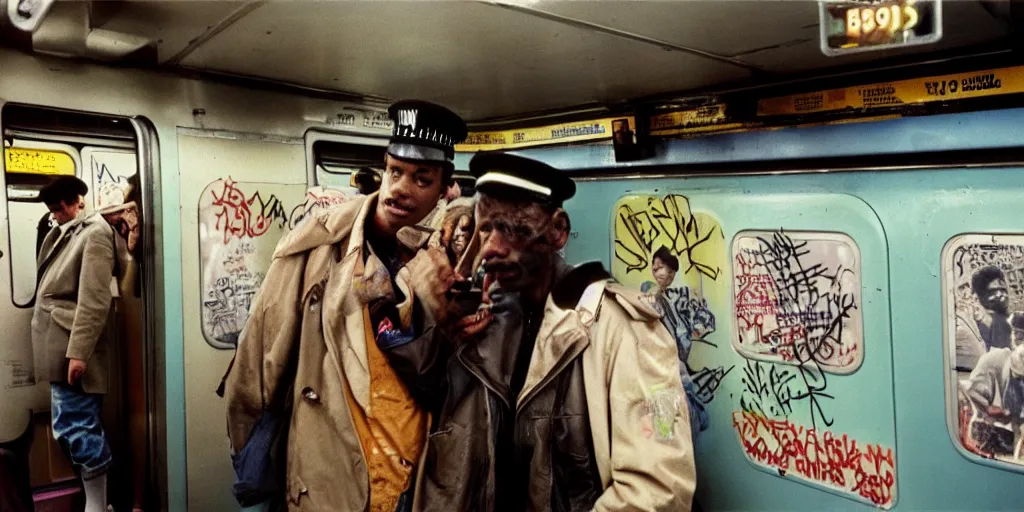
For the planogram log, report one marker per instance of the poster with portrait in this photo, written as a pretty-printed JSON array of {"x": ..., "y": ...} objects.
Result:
[
  {"x": 675, "y": 258},
  {"x": 983, "y": 283}
]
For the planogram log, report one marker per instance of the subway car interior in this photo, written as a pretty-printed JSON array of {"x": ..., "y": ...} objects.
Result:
[{"x": 833, "y": 181}]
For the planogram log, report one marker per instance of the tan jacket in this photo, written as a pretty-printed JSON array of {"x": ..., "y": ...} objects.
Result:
[
  {"x": 628, "y": 358},
  {"x": 73, "y": 298},
  {"x": 638, "y": 414},
  {"x": 312, "y": 272},
  {"x": 601, "y": 357}
]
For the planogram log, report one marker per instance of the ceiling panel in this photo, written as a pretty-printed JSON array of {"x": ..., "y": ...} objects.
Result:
[
  {"x": 482, "y": 60},
  {"x": 776, "y": 35},
  {"x": 171, "y": 24},
  {"x": 721, "y": 27}
]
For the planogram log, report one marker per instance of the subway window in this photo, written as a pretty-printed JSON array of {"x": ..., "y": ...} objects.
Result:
[
  {"x": 983, "y": 295},
  {"x": 338, "y": 161},
  {"x": 28, "y": 167},
  {"x": 796, "y": 299},
  {"x": 341, "y": 162}
]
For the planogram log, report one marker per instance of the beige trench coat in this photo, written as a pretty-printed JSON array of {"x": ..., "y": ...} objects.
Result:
[
  {"x": 73, "y": 299},
  {"x": 312, "y": 273},
  {"x": 639, "y": 419}
]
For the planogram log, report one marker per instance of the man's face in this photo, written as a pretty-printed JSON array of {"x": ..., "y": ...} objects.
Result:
[
  {"x": 517, "y": 241},
  {"x": 462, "y": 235},
  {"x": 663, "y": 274},
  {"x": 995, "y": 297},
  {"x": 408, "y": 192},
  {"x": 64, "y": 212}
]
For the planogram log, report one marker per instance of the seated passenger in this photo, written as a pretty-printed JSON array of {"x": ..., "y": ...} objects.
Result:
[
  {"x": 566, "y": 395},
  {"x": 315, "y": 414}
]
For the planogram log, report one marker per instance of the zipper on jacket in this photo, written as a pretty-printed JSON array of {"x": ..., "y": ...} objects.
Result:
[{"x": 488, "y": 385}]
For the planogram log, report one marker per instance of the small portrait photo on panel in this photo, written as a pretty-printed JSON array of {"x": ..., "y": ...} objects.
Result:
[{"x": 984, "y": 287}]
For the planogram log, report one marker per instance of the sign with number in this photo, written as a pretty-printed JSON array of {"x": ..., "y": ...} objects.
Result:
[{"x": 864, "y": 25}]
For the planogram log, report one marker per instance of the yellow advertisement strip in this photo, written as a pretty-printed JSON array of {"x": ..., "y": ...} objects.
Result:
[
  {"x": 672, "y": 121},
  {"x": 38, "y": 161},
  {"x": 702, "y": 130},
  {"x": 565, "y": 133},
  {"x": 959, "y": 86}
]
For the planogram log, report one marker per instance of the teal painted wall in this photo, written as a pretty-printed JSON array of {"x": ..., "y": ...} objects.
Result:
[{"x": 901, "y": 226}]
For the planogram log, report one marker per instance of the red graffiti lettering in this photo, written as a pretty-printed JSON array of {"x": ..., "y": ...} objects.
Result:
[
  {"x": 243, "y": 217},
  {"x": 819, "y": 456}
]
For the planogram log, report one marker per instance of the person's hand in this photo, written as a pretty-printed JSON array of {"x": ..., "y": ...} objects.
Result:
[
  {"x": 76, "y": 368},
  {"x": 431, "y": 277}
]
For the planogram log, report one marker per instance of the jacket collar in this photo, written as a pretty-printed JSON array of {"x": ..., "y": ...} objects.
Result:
[
  {"x": 569, "y": 311},
  {"x": 61, "y": 235},
  {"x": 329, "y": 227}
]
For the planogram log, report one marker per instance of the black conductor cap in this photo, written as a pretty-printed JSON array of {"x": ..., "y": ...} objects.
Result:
[
  {"x": 509, "y": 175},
  {"x": 424, "y": 131}
]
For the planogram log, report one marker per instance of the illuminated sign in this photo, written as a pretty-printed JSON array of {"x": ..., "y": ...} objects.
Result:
[
  {"x": 858, "y": 26},
  {"x": 38, "y": 161}
]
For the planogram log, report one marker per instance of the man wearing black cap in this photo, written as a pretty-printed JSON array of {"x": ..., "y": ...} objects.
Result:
[
  {"x": 565, "y": 394},
  {"x": 73, "y": 297},
  {"x": 310, "y": 372}
]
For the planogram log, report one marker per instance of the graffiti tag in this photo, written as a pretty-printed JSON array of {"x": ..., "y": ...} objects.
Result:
[
  {"x": 867, "y": 471},
  {"x": 670, "y": 218}
]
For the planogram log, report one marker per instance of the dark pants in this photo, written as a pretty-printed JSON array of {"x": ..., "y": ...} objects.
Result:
[{"x": 15, "y": 487}]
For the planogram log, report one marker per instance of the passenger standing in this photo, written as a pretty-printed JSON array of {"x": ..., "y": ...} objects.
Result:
[
  {"x": 567, "y": 395},
  {"x": 73, "y": 304},
  {"x": 315, "y": 414}
]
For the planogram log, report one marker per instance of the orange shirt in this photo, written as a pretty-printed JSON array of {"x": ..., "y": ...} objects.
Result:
[{"x": 392, "y": 433}]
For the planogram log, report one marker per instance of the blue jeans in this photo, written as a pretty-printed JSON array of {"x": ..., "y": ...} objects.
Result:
[{"x": 77, "y": 426}]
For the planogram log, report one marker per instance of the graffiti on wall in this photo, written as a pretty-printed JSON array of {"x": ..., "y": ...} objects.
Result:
[
  {"x": 111, "y": 170},
  {"x": 776, "y": 391},
  {"x": 675, "y": 258},
  {"x": 239, "y": 226},
  {"x": 667, "y": 222},
  {"x": 860, "y": 470},
  {"x": 984, "y": 288},
  {"x": 797, "y": 297}
]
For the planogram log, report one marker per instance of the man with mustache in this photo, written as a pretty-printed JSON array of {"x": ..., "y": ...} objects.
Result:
[
  {"x": 317, "y": 418},
  {"x": 565, "y": 394}
]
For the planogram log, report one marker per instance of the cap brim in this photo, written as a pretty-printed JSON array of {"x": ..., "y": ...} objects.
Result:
[{"x": 407, "y": 151}]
